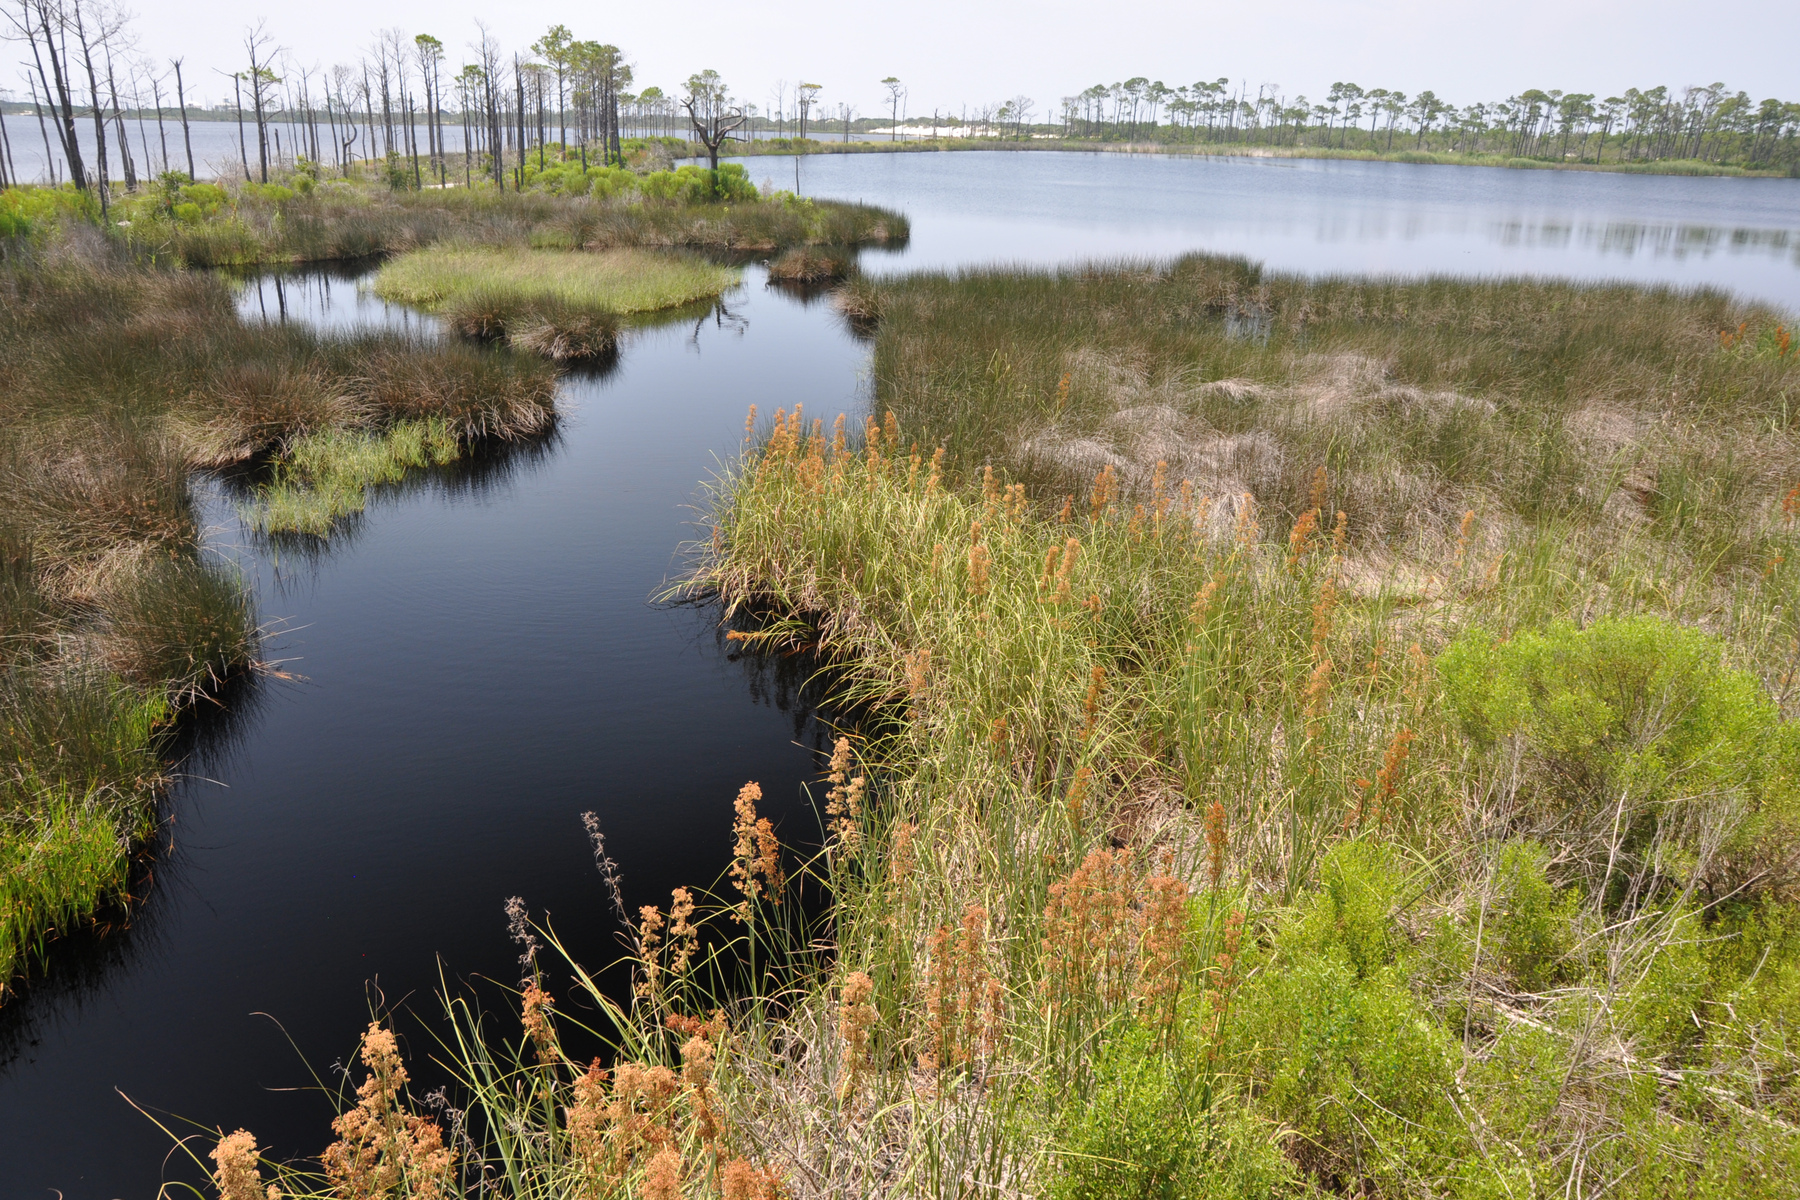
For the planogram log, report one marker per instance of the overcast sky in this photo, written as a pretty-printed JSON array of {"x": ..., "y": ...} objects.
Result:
[{"x": 968, "y": 52}]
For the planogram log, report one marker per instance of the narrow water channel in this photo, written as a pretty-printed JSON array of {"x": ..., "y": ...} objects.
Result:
[{"x": 475, "y": 662}]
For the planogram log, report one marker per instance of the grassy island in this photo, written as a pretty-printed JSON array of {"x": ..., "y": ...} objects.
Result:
[
  {"x": 617, "y": 281},
  {"x": 562, "y": 303}
]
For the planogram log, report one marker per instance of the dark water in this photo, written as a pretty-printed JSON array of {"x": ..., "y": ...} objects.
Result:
[{"x": 477, "y": 661}]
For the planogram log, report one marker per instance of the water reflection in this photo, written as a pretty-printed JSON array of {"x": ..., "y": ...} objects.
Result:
[{"x": 326, "y": 296}]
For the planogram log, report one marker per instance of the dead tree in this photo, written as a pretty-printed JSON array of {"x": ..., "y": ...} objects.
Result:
[{"x": 712, "y": 113}]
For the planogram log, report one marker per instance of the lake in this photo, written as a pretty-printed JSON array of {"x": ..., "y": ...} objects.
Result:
[{"x": 477, "y": 660}]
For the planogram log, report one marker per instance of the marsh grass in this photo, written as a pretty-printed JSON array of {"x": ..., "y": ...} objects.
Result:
[
  {"x": 320, "y": 478},
  {"x": 1527, "y": 400},
  {"x": 342, "y": 220},
  {"x": 117, "y": 382},
  {"x": 611, "y": 281},
  {"x": 812, "y": 265}
]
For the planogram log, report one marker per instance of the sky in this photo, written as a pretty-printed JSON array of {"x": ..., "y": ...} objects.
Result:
[{"x": 956, "y": 53}]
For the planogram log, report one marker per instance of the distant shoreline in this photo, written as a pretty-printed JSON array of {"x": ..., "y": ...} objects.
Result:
[{"x": 785, "y": 146}]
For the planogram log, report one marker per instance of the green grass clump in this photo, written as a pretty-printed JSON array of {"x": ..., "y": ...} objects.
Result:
[
  {"x": 79, "y": 750},
  {"x": 612, "y": 281},
  {"x": 323, "y": 477}
]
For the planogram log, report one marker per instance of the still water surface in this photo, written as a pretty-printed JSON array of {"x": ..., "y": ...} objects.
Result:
[{"x": 476, "y": 661}]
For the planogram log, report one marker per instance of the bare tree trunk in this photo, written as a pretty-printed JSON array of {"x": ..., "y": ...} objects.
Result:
[
  {"x": 162, "y": 134},
  {"x": 143, "y": 128},
  {"x": 9, "y": 174},
  {"x": 237, "y": 94},
  {"x": 413, "y": 136},
  {"x": 62, "y": 70},
  {"x": 181, "y": 98},
  {"x": 519, "y": 84},
  {"x": 256, "y": 98},
  {"x": 112, "y": 91},
  {"x": 99, "y": 113},
  {"x": 43, "y": 128}
]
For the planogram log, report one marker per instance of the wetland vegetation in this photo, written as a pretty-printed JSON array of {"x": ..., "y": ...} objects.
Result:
[
  {"x": 119, "y": 382},
  {"x": 125, "y": 371},
  {"x": 1322, "y": 737},
  {"x": 1314, "y": 737}
]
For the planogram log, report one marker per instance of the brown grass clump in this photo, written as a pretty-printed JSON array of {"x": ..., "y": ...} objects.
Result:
[
  {"x": 756, "y": 869},
  {"x": 742, "y": 1180},
  {"x": 856, "y": 1017},
  {"x": 662, "y": 1181},
  {"x": 812, "y": 265},
  {"x": 382, "y": 1145},
  {"x": 964, "y": 1000},
  {"x": 1090, "y": 940}
]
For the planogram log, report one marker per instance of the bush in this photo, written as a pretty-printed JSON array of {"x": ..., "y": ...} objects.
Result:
[
  {"x": 27, "y": 211},
  {"x": 569, "y": 179},
  {"x": 1141, "y": 1134},
  {"x": 1339, "y": 1048},
  {"x": 1532, "y": 923},
  {"x": 273, "y": 193},
  {"x": 1634, "y": 729},
  {"x": 210, "y": 197},
  {"x": 697, "y": 185}
]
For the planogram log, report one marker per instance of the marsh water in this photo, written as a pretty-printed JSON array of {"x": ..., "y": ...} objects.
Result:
[{"x": 478, "y": 660}]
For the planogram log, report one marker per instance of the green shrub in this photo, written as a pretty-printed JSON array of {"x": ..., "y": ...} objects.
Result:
[
  {"x": 569, "y": 179},
  {"x": 1633, "y": 731},
  {"x": 209, "y": 196},
  {"x": 1338, "y": 1047},
  {"x": 273, "y": 193},
  {"x": 1141, "y": 1134},
  {"x": 1352, "y": 914},
  {"x": 1530, "y": 925},
  {"x": 696, "y": 185},
  {"x": 27, "y": 211}
]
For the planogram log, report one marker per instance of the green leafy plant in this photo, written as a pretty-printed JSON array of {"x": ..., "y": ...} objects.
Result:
[{"x": 1639, "y": 748}]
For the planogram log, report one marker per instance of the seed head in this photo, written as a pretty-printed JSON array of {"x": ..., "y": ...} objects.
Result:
[{"x": 238, "y": 1177}]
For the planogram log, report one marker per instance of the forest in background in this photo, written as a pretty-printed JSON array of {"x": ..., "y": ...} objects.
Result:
[{"x": 404, "y": 97}]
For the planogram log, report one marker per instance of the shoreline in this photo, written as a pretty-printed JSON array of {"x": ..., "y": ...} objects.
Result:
[{"x": 761, "y": 149}]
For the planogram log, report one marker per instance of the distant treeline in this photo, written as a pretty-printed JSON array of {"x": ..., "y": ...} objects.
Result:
[
  {"x": 1704, "y": 124},
  {"x": 399, "y": 98}
]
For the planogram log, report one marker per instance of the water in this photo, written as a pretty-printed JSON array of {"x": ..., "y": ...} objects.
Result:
[
  {"x": 475, "y": 661},
  {"x": 217, "y": 150},
  {"x": 1322, "y": 217}
]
